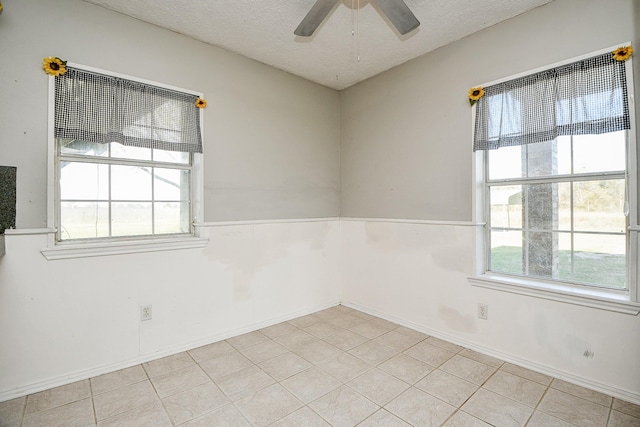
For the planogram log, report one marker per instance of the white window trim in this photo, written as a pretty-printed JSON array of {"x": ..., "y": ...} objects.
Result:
[
  {"x": 55, "y": 251},
  {"x": 627, "y": 302}
]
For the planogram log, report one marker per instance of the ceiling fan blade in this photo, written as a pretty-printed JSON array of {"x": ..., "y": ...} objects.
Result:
[
  {"x": 399, "y": 14},
  {"x": 314, "y": 18}
]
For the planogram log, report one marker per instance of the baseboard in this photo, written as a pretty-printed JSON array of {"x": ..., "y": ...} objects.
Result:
[
  {"x": 105, "y": 369},
  {"x": 625, "y": 395}
]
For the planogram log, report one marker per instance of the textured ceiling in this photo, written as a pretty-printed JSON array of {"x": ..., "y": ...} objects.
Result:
[{"x": 354, "y": 42}]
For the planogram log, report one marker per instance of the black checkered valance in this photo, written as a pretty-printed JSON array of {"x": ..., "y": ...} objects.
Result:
[
  {"x": 584, "y": 97},
  {"x": 103, "y": 109}
]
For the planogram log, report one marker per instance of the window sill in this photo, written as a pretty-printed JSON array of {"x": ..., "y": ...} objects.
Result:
[
  {"x": 84, "y": 250},
  {"x": 594, "y": 298}
]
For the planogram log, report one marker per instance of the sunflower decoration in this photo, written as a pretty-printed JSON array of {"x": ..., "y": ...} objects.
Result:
[
  {"x": 54, "y": 66},
  {"x": 0, "y": 8},
  {"x": 475, "y": 93},
  {"x": 622, "y": 53},
  {"x": 201, "y": 103}
]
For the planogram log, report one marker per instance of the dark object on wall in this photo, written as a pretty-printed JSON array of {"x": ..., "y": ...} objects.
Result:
[{"x": 8, "y": 176}]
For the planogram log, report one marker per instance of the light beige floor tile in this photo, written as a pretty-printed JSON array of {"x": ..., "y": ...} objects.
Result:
[
  {"x": 406, "y": 368},
  {"x": 345, "y": 367},
  {"x": 626, "y": 407},
  {"x": 345, "y": 321},
  {"x": 419, "y": 408},
  {"x": 304, "y": 321},
  {"x": 364, "y": 316},
  {"x": 573, "y": 409},
  {"x": 322, "y": 329},
  {"x": 303, "y": 417},
  {"x": 76, "y": 414},
  {"x": 453, "y": 390},
  {"x": 284, "y": 366},
  {"x": 369, "y": 330},
  {"x": 444, "y": 344},
  {"x": 618, "y": 419},
  {"x": 397, "y": 341},
  {"x": 462, "y": 419},
  {"x": 311, "y": 384},
  {"x": 244, "y": 382},
  {"x": 526, "y": 373},
  {"x": 152, "y": 414},
  {"x": 585, "y": 393},
  {"x": 263, "y": 351},
  {"x": 383, "y": 418},
  {"x": 117, "y": 379},
  {"x": 296, "y": 340},
  {"x": 318, "y": 351},
  {"x": 346, "y": 340},
  {"x": 226, "y": 416},
  {"x": 343, "y": 407},
  {"x": 540, "y": 419},
  {"x": 225, "y": 365},
  {"x": 268, "y": 405},
  {"x": 497, "y": 410},
  {"x": 411, "y": 332},
  {"x": 167, "y": 364},
  {"x": 180, "y": 380},
  {"x": 373, "y": 352},
  {"x": 430, "y": 354},
  {"x": 124, "y": 399},
  {"x": 482, "y": 358},
  {"x": 516, "y": 388},
  {"x": 247, "y": 340},
  {"x": 211, "y": 351},
  {"x": 11, "y": 412},
  {"x": 193, "y": 403},
  {"x": 378, "y": 386},
  {"x": 57, "y": 396},
  {"x": 385, "y": 323},
  {"x": 279, "y": 329},
  {"x": 468, "y": 369}
]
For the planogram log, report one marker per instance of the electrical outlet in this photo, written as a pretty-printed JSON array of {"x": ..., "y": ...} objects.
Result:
[
  {"x": 483, "y": 311},
  {"x": 145, "y": 313}
]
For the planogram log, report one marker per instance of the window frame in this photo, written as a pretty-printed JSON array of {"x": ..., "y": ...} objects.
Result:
[
  {"x": 126, "y": 244},
  {"x": 626, "y": 301}
]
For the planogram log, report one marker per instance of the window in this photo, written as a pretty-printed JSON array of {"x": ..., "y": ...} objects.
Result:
[
  {"x": 126, "y": 157},
  {"x": 556, "y": 154}
]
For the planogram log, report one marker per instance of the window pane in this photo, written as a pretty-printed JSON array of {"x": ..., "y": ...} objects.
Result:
[
  {"x": 170, "y": 156},
  {"x": 131, "y": 219},
  {"x": 506, "y": 252},
  {"x": 127, "y": 152},
  {"x": 541, "y": 204},
  {"x": 600, "y": 259},
  {"x": 599, "y": 153},
  {"x": 84, "y": 181},
  {"x": 599, "y": 205},
  {"x": 541, "y": 254},
  {"x": 171, "y": 184},
  {"x": 172, "y": 217},
  {"x": 549, "y": 158},
  {"x": 506, "y": 206},
  {"x": 564, "y": 206},
  {"x": 505, "y": 162},
  {"x": 130, "y": 183},
  {"x": 72, "y": 146},
  {"x": 84, "y": 220}
]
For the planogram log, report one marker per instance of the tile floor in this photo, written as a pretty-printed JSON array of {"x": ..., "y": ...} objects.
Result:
[{"x": 336, "y": 367}]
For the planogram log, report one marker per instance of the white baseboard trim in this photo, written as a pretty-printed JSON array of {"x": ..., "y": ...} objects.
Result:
[
  {"x": 516, "y": 360},
  {"x": 105, "y": 369}
]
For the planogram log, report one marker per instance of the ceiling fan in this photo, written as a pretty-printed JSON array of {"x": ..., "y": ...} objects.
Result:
[{"x": 396, "y": 10}]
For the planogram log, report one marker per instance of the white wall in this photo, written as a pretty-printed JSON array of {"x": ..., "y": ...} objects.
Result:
[
  {"x": 271, "y": 151},
  {"x": 406, "y": 154},
  {"x": 69, "y": 319}
]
